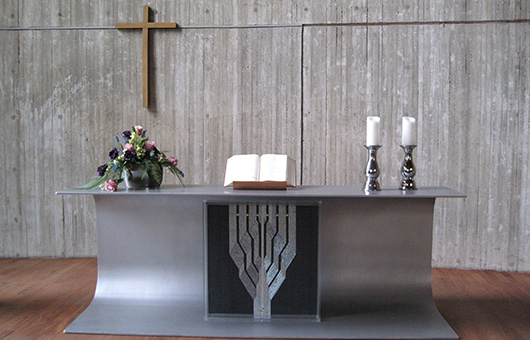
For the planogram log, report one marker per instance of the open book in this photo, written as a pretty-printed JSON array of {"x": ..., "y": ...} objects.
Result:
[{"x": 269, "y": 172}]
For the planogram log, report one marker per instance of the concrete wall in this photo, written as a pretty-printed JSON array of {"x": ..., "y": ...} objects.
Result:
[{"x": 460, "y": 67}]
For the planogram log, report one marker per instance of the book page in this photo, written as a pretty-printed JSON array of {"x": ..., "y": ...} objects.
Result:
[
  {"x": 273, "y": 168},
  {"x": 241, "y": 168}
]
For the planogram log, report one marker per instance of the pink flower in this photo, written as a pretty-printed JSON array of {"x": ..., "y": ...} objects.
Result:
[
  {"x": 111, "y": 186},
  {"x": 139, "y": 129},
  {"x": 173, "y": 160},
  {"x": 149, "y": 145},
  {"x": 128, "y": 147}
]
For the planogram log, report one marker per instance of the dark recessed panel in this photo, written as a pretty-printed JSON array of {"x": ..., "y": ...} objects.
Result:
[{"x": 297, "y": 295}]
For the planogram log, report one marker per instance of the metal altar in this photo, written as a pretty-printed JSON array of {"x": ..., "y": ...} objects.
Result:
[{"x": 371, "y": 265}]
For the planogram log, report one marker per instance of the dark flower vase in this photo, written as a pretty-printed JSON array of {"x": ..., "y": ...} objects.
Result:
[{"x": 134, "y": 181}]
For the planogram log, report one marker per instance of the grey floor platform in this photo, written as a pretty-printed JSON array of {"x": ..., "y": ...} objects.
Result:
[
  {"x": 162, "y": 319},
  {"x": 374, "y": 264}
]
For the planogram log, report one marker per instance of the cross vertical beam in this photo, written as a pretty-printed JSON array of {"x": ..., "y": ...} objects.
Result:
[
  {"x": 145, "y": 58},
  {"x": 145, "y": 25}
]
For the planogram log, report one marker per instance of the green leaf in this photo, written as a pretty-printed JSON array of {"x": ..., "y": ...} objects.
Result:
[
  {"x": 95, "y": 182},
  {"x": 155, "y": 171},
  {"x": 175, "y": 171},
  {"x": 144, "y": 172}
]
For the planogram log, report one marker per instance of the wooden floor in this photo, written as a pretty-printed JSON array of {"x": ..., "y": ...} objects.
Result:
[{"x": 40, "y": 298}]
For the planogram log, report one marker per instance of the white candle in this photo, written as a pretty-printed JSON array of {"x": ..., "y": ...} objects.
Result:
[
  {"x": 373, "y": 130},
  {"x": 409, "y": 136}
]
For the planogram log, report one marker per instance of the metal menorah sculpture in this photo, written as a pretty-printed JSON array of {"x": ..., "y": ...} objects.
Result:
[{"x": 262, "y": 245}]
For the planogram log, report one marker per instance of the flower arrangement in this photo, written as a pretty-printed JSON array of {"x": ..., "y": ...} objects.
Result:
[{"x": 137, "y": 153}]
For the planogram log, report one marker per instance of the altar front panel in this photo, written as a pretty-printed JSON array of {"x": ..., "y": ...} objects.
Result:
[{"x": 375, "y": 253}]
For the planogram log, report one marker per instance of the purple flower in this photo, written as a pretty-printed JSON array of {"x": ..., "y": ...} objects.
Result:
[
  {"x": 126, "y": 135},
  {"x": 114, "y": 153},
  {"x": 128, "y": 155},
  {"x": 102, "y": 169}
]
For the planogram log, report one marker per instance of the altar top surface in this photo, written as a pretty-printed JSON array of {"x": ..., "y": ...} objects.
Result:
[{"x": 304, "y": 191}]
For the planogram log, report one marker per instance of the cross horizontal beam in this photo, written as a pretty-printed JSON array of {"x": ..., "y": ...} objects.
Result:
[{"x": 125, "y": 25}]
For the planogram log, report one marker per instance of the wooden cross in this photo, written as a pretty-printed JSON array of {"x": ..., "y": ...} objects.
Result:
[{"x": 145, "y": 25}]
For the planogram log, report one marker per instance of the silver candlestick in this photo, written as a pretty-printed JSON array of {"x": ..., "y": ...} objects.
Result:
[
  {"x": 372, "y": 169},
  {"x": 408, "y": 171}
]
